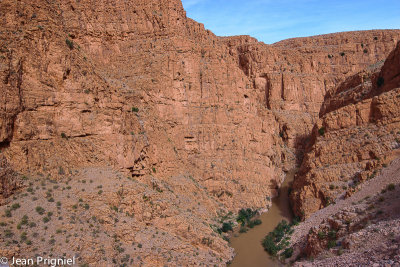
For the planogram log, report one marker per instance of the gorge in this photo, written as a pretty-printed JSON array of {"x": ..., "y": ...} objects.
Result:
[{"x": 143, "y": 132}]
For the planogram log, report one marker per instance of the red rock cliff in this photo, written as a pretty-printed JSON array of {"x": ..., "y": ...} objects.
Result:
[
  {"x": 138, "y": 86},
  {"x": 357, "y": 134},
  {"x": 231, "y": 110}
]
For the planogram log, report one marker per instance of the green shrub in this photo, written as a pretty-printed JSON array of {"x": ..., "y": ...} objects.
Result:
[
  {"x": 321, "y": 131},
  {"x": 332, "y": 234},
  {"x": 226, "y": 227},
  {"x": 287, "y": 253},
  {"x": 61, "y": 170},
  {"x": 342, "y": 54},
  {"x": 24, "y": 220},
  {"x": 321, "y": 235},
  {"x": 24, "y": 236},
  {"x": 257, "y": 222},
  {"x": 15, "y": 206},
  {"x": 8, "y": 233},
  {"x": 40, "y": 210},
  {"x": 251, "y": 224},
  {"x": 69, "y": 43},
  {"x": 135, "y": 109},
  {"x": 296, "y": 220},
  {"x": 390, "y": 187},
  {"x": 269, "y": 245},
  {"x": 7, "y": 213},
  {"x": 275, "y": 240},
  {"x": 245, "y": 215},
  {"x": 331, "y": 244}
]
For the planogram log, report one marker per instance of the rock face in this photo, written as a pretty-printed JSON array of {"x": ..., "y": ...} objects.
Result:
[
  {"x": 9, "y": 180},
  {"x": 140, "y": 87},
  {"x": 357, "y": 133},
  {"x": 362, "y": 230}
]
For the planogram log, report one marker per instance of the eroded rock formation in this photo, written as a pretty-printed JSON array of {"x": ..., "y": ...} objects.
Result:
[
  {"x": 357, "y": 134},
  {"x": 140, "y": 87}
]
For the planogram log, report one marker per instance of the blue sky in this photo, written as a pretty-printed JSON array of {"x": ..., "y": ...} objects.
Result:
[{"x": 274, "y": 20}]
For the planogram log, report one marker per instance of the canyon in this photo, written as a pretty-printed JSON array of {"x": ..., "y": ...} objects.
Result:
[{"x": 148, "y": 131}]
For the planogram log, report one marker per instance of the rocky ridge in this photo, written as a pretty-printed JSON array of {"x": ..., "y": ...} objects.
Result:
[
  {"x": 359, "y": 230},
  {"x": 141, "y": 88},
  {"x": 357, "y": 134}
]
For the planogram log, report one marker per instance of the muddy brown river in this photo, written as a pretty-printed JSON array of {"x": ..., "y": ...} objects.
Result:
[{"x": 248, "y": 248}]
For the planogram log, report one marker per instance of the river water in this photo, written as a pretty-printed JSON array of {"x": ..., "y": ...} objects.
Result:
[{"x": 248, "y": 248}]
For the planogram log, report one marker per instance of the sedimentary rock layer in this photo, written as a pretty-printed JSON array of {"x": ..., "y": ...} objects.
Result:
[{"x": 357, "y": 133}]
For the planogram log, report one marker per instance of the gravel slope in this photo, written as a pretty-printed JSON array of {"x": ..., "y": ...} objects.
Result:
[{"x": 389, "y": 175}]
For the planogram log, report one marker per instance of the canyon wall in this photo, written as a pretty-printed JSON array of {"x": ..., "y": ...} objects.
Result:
[
  {"x": 139, "y": 87},
  {"x": 357, "y": 134},
  {"x": 145, "y": 87}
]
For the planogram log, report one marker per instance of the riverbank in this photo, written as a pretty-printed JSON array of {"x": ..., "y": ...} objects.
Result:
[{"x": 248, "y": 248}]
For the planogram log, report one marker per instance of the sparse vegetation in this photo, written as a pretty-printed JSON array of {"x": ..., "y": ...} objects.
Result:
[
  {"x": 226, "y": 227},
  {"x": 287, "y": 253},
  {"x": 321, "y": 131},
  {"x": 245, "y": 215},
  {"x": 331, "y": 244},
  {"x": 391, "y": 187},
  {"x": 61, "y": 170},
  {"x": 321, "y": 235},
  {"x": 278, "y": 240},
  {"x": 15, "y": 206},
  {"x": 7, "y": 213},
  {"x": 40, "y": 210},
  {"x": 69, "y": 43}
]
